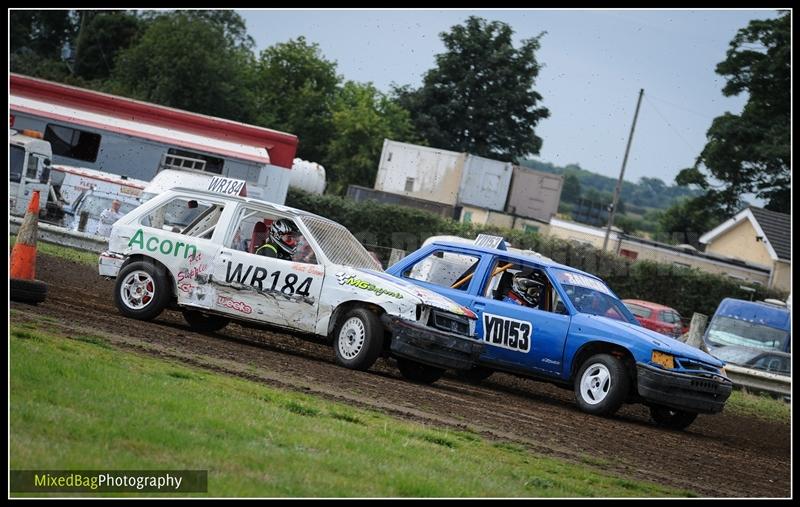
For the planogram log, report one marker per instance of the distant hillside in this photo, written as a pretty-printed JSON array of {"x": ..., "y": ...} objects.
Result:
[{"x": 647, "y": 193}]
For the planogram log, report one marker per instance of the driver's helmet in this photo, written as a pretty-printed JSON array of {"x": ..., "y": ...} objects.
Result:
[
  {"x": 527, "y": 287},
  {"x": 283, "y": 234}
]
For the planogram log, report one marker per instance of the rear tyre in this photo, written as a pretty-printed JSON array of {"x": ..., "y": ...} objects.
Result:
[
  {"x": 204, "y": 323},
  {"x": 666, "y": 417},
  {"x": 601, "y": 385},
  {"x": 142, "y": 290},
  {"x": 418, "y": 372},
  {"x": 27, "y": 291},
  {"x": 358, "y": 339},
  {"x": 474, "y": 375}
]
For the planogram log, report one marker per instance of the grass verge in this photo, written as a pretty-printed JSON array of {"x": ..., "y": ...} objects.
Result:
[
  {"x": 759, "y": 405},
  {"x": 78, "y": 404},
  {"x": 65, "y": 252}
]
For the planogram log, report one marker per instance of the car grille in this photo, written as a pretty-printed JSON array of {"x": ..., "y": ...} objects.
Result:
[{"x": 688, "y": 364}]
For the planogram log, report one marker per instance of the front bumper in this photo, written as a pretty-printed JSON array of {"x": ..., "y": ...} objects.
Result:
[
  {"x": 682, "y": 391},
  {"x": 110, "y": 263},
  {"x": 431, "y": 346}
]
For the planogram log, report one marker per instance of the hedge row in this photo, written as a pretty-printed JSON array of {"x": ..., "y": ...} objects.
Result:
[{"x": 384, "y": 226}]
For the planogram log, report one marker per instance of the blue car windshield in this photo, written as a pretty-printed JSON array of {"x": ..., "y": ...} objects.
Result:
[{"x": 590, "y": 295}]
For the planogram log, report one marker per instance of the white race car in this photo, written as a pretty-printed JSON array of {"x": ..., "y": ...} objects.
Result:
[{"x": 197, "y": 250}]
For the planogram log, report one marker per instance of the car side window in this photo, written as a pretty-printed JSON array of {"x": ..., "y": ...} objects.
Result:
[
  {"x": 524, "y": 285},
  {"x": 252, "y": 230},
  {"x": 445, "y": 269},
  {"x": 182, "y": 215},
  {"x": 638, "y": 311}
]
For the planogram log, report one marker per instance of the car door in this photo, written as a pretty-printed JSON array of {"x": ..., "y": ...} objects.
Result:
[
  {"x": 520, "y": 338},
  {"x": 280, "y": 292}
]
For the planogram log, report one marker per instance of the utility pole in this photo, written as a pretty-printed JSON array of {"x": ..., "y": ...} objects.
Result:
[{"x": 618, "y": 190}]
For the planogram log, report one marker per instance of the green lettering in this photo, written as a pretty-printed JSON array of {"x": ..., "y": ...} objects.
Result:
[
  {"x": 178, "y": 246},
  {"x": 137, "y": 238},
  {"x": 40, "y": 480},
  {"x": 168, "y": 243},
  {"x": 186, "y": 253},
  {"x": 149, "y": 243}
]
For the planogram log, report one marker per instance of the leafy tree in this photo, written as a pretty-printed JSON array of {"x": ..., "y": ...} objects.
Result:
[
  {"x": 189, "y": 62},
  {"x": 571, "y": 191},
  {"x": 750, "y": 152},
  {"x": 101, "y": 37},
  {"x": 480, "y": 98},
  {"x": 42, "y": 32},
  {"x": 687, "y": 220},
  {"x": 296, "y": 88},
  {"x": 362, "y": 118}
]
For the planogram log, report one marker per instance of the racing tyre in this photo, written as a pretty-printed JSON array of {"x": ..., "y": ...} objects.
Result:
[
  {"x": 358, "y": 339},
  {"x": 666, "y": 417},
  {"x": 27, "y": 291},
  {"x": 142, "y": 290},
  {"x": 204, "y": 323},
  {"x": 601, "y": 385},
  {"x": 474, "y": 375},
  {"x": 418, "y": 372}
]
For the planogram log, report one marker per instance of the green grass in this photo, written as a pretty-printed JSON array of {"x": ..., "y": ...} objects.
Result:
[
  {"x": 757, "y": 405},
  {"x": 78, "y": 404},
  {"x": 65, "y": 252}
]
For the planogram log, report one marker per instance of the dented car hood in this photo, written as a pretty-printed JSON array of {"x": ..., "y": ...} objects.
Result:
[{"x": 407, "y": 289}]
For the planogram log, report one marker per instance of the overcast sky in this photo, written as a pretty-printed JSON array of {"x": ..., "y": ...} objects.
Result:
[{"x": 595, "y": 62}]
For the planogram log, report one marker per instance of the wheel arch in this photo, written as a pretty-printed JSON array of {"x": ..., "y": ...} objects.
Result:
[
  {"x": 345, "y": 307},
  {"x": 145, "y": 258},
  {"x": 594, "y": 347}
]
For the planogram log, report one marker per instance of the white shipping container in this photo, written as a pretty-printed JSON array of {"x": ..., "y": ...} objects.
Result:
[
  {"x": 420, "y": 171},
  {"x": 485, "y": 183}
]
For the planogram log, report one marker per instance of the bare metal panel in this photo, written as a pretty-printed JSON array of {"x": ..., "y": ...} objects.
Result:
[
  {"x": 534, "y": 194},
  {"x": 485, "y": 183}
]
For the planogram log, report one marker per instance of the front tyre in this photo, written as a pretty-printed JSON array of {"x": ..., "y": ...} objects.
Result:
[
  {"x": 666, "y": 417},
  {"x": 204, "y": 323},
  {"x": 358, "y": 339},
  {"x": 418, "y": 372},
  {"x": 601, "y": 385},
  {"x": 142, "y": 290}
]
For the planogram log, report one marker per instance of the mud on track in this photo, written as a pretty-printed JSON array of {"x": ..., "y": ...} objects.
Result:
[{"x": 720, "y": 455}]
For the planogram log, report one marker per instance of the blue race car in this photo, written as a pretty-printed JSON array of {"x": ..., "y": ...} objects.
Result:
[{"x": 551, "y": 322}]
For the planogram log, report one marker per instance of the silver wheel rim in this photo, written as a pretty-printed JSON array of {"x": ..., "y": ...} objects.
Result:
[
  {"x": 351, "y": 337},
  {"x": 595, "y": 384},
  {"x": 137, "y": 290}
]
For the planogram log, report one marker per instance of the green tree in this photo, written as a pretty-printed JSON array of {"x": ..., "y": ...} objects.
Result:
[
  {"x": 36, "y": 38},
  {"x": 687, "y": 220},
  {"x": 571, "y": 191},
  {"x": 102, "y": 35},
  {"x": 189, "y": 62},
  {"x": 480, "y": 98},
  {"x": 296, "y": 88},
  {"x": 750, "y": 152},
  {"x": 362, "y": 118}
]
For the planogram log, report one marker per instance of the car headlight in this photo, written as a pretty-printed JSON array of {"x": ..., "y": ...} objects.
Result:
[{"x": 662, "y": 359}]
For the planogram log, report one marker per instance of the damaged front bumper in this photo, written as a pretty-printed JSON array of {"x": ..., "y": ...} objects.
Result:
[
  {"x": 110, "y": 263},
  {"x": 682, "y": 391},
  {"x": 431, "y": 346}
]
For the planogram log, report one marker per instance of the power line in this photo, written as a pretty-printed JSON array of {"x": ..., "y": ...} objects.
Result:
[
  {"x": 706, "y": 116},
  {"x": 688, "y": 145}
]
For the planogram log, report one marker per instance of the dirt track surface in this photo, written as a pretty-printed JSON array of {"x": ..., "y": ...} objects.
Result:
[{"x": 720, "y": 455}]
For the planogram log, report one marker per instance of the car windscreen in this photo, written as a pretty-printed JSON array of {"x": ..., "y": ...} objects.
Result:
[
  {"x": 729, "y": 331},
  {"x": 590, "y": 295},
  {"x": 338, "y": 245},
  {"x": 16, "y": 159}
]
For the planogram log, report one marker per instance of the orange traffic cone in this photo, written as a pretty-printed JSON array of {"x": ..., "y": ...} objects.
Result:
[{"x": 24, "y": 287}]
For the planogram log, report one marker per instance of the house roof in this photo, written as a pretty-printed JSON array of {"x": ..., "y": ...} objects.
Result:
[{"x": 774, "y": 227}]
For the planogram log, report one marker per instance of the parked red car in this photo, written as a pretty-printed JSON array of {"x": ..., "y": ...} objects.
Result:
[{"x": 659, "y": 318}]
